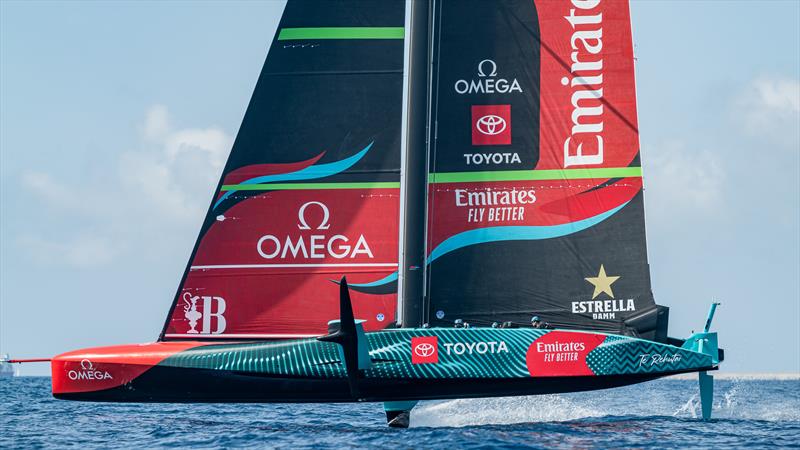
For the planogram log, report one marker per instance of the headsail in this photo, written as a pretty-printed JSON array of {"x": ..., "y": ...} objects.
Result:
[
  {"x": 535, "y": 188},
  {"x": 310, "y": 191}
]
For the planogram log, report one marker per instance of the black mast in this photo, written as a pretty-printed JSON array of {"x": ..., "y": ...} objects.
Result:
[{"x": 412, "y": 261}]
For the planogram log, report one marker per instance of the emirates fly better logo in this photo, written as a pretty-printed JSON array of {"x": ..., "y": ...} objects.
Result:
[
  {"x": 424, "y": 349},
  {"x": 491, "y": 124}
]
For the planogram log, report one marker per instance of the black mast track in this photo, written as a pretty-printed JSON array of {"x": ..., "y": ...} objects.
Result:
[{"x": 412, "y": 262}]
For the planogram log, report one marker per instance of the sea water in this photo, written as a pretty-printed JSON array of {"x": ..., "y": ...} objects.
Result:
[{"x": 753, "y": 412}]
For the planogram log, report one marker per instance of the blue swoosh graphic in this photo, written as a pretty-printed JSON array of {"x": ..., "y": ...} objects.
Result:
[
  {"x": 507, "y": 233},
  {"x": 385, "y": 280},
  {"x": 308, "y": 173}
]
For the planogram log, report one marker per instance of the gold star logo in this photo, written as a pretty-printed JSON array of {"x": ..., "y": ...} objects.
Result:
[{"x": 602, "y": 283}]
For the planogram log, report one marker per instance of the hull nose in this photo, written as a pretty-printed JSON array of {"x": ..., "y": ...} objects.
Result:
[
  {"x": 102, "y": 368},
  {"x": 71, "y": 375}
]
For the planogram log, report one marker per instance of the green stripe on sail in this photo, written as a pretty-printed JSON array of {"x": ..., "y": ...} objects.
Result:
[
  {"x": 310, "y": 186},
  {"x": 296, "y": 34},
  {"x": 536, "y": 175}
]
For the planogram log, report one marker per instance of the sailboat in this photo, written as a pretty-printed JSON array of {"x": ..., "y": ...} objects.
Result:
[
  {"x": 413, "y": 181},
  {"x": 6, "y": 369}
]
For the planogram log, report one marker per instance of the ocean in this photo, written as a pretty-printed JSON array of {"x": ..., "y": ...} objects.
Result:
[{"x": 753, "y": 412}]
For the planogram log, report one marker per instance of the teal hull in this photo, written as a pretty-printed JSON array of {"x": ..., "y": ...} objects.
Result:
[{"x": 396, "y": 365}]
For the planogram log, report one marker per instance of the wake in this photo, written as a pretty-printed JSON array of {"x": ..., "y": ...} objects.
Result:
[
  {"x": 735, "y": 399},
  {"x": 500, "y": 411}
]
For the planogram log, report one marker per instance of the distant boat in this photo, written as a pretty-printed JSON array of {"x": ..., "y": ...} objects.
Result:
[
  {"x": 472, "y": 167},
  {"x": 6, "y": 369}
]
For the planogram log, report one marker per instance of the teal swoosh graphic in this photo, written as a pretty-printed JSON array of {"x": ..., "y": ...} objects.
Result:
[
  {"x": 385, "y": 280},
  {"x": 507, "y": 233},
  {"x": 308, "y": 173}
]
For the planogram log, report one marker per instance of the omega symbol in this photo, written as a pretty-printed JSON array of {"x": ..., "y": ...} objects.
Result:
[
  {"x": 301, "y": 216},
  {"x": 482, "y": 73}
]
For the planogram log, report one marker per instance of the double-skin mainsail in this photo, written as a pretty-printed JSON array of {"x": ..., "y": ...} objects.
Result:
[{"x": 521, "y": 161}]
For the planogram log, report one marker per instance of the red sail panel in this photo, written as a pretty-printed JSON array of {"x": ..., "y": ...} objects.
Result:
[
  {"x": 267, "y": 268},
  {"x": 588, "y": 106}
]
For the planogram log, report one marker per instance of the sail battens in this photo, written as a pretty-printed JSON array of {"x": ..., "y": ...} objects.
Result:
[
  {"x": 296, "y": 34},
  {"x": 336, "y": 72},
  {"x": 536, "y": 175},
  {"x": 286, "y": 266},
  {"x": 242, "y": 336},
  {"x": 306, "y": 186}
]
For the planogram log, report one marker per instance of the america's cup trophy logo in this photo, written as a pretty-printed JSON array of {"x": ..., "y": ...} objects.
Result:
[{"x": 190, "y": 311}]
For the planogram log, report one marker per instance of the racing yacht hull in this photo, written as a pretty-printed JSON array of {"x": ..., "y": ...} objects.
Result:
[{"x": 404, "y": 364}]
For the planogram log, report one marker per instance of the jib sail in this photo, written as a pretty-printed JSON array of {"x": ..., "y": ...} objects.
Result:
[
  {"x": 310, "y": 191},
  {"x": 535, "y": 190}
]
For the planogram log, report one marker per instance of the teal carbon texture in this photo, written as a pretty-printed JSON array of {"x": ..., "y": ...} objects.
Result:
[
  {"x": 391, "y": 355},
  {"x": 619, "y": 355}
]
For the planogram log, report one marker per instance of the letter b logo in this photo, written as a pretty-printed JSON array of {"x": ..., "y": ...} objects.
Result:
[{"x": 213, "y": 307}]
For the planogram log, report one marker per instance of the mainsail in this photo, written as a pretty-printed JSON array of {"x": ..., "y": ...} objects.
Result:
[
  {"x": 535, "y": 194},
  {"x": 524, "y": 115},
  {"x": 534, "y": 180},
  {"x": 310, "y": 191}
]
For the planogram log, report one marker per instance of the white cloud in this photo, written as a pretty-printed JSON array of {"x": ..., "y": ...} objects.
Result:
[
  {"x": 44, "y": 186},
  {"x": 770, "y": 108},
  {"x": 209, "y": 140},
  {"x": 159, "y": 192},
  {"x": 80, "y": 251},
  {"x": 176, "y": 174},
  {"x": 156, "y": 122},
  {"x": 681, "y": 183}
]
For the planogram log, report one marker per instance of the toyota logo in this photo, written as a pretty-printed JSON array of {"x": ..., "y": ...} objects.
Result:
[
  {"x": 424, "y": 349},
  {"x": 491, "y": 125}
]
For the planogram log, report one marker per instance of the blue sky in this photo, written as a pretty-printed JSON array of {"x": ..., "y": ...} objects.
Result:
[{"x": 116, "y": 118}]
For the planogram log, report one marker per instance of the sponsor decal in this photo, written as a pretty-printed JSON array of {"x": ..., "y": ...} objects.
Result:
[
  {"x": 603, "y": 309},
  {"x": 491, "y": 125},
  {"x": 314, "y": 246},
  {"x": 494, "y": 205},
  {"x": 656, "y": 359},
  {"x": 424, "y": 349},
  {"x": 561, "y": 353},
  {"x": 209, "y": 309},
  {"x": 487, "y": 82},
  {"x": 88, "y": 372},
  {"x": 478, "y": 348},
  {"x": 480, "y": 159},
  {"x": 584, "y": 145}
]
